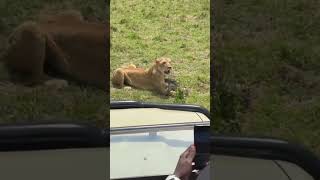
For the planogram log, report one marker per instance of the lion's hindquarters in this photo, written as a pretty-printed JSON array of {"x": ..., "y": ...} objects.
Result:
[
  {"x": 118, "y": 78},
  {"x": 26, "y": 54}
]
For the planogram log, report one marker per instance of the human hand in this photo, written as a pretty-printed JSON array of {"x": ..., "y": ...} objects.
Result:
[{"x": 184, "y": 166}]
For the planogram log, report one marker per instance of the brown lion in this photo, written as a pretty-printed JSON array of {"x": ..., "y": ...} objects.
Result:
[
  {"x": 152, "y": 79},
  {"x": 59, "y": 46}
]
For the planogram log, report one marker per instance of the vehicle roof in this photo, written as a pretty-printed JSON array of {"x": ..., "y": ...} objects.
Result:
[{"x": 152, "y": 116}]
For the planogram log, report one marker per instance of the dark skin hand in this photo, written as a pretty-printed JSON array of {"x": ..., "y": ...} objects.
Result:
[{"x": 184, "y": 167}]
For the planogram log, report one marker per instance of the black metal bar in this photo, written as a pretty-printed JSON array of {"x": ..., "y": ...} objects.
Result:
[
  {"x": 51, "y": 136},
  {"x": 180, "y": 107},
  {"x": 158, "y": 127}
]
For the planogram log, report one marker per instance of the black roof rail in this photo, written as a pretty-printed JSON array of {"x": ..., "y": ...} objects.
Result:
[{"x": 51, "y": 136}]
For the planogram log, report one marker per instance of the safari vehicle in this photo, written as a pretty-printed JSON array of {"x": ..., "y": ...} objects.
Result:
[
  {"x": 146, "y": 140},
  {"x": 53, "y": 151}
]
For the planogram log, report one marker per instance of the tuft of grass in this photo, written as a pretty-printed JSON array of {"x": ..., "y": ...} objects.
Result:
[{"x": 143, "y": 30}]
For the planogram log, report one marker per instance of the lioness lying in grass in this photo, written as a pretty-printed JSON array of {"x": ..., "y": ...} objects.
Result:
[{"x": 152, "y": 79}]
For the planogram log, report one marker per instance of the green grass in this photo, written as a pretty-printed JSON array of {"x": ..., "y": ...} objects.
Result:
[
  {"x": 73, "y": 104},
  {"x": 143, "y": 30},
  {"x": 267, "y": 53}
]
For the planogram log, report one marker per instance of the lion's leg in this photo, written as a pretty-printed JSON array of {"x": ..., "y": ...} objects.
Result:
[
  {"x": 55, "y": 60},
  {"x": 118, "y": 79},
  {"x": 26, "y": 54},
  {"x": 127, "y": 80},
  {"x": 163, "y": 88}
]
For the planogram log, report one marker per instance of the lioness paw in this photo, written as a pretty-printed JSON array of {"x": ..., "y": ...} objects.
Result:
[
  {"x": 127, "y": 88},
  {"x": 172, "y": 93}
]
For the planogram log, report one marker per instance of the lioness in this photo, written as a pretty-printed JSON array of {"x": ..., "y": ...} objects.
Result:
[
  {"x": 59, "y": 46},
  {"x": 152, "y": 79}
]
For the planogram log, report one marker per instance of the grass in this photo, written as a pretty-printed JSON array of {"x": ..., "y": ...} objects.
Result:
[
  {"x": 73, "y": 104},
  {"x": 267, "y": 69},
  {"x": 143, "y": 30}
]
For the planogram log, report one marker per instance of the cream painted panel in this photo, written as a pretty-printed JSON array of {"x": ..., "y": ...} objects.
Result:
[
  {"x": 150, "y": 116},
  {"x": 203, "y": 117}
]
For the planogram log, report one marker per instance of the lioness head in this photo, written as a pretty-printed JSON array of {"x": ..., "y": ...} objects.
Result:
[{"x": 163, "y": 65}]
